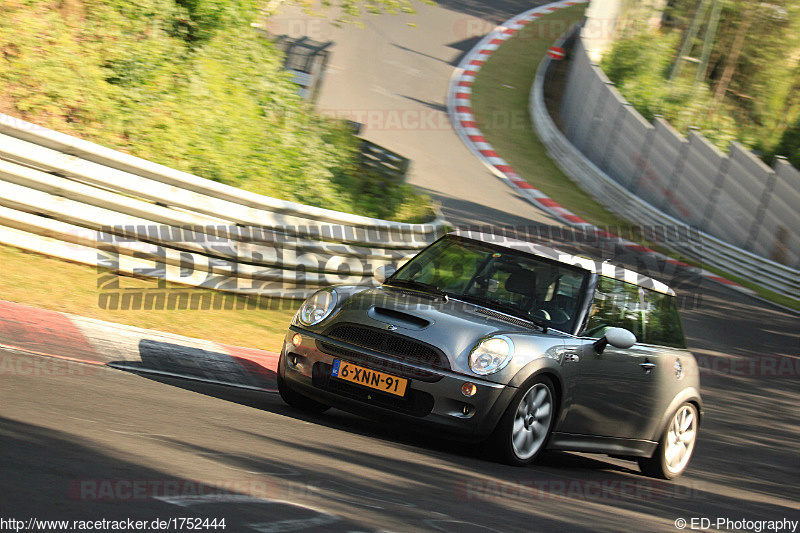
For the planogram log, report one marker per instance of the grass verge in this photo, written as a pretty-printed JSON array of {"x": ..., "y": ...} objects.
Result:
[
  {"x": 500, "y": 97},
  {"x": 57, "y": 285}
]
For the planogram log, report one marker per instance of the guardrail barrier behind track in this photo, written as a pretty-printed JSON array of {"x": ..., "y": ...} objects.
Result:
[{"x": 76, "y": 200}]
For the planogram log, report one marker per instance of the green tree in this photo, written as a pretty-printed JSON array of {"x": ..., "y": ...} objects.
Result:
[
  {"x": 749, "y": 88},
  {"x": 789, "y": 145},
  {"x": 189, "y": 84}
]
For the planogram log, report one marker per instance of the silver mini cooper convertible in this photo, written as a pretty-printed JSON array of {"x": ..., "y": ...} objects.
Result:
[{"x": 510, "y": 342}]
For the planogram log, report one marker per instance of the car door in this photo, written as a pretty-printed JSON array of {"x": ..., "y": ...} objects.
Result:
[{"x": 613, "y": 393}]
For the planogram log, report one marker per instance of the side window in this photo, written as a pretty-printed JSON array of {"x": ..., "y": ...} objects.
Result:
[
  {"x": 663, "y": 322},
  {"x": 616, "y": 305},
  {"x": 651, "y": 316}
]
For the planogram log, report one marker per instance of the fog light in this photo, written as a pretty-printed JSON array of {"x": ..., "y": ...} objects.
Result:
[
  {"x": 469, "y": 389},
  {"x": 293, "y": 360},
  {"x": 466, "y": 410},
  {"x": 297, "y": 339}
]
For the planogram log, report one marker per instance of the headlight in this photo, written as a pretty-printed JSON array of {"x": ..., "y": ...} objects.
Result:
[
  {"x": 491, "y": 354},
  {"x": 318, "y": 307}
]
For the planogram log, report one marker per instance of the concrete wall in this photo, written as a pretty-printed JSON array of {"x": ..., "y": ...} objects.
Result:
[{"x": 734, "y": 197}]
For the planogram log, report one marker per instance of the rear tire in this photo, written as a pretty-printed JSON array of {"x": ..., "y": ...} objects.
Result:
[
  {"x": 294, "y": 398},
  {"x": 675, "y": 447},
  {"x": 525, "y": 427}
]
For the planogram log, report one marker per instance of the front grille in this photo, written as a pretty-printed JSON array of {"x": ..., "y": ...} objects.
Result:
[
  {"x": 393, "y": 344},
  {"x": 415, "y": 402}
]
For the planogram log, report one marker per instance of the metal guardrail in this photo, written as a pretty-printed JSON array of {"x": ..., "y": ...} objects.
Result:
[
  {"x": 608, "y": 192},
  {"x": 306, "y": 59},
  {"x": 384, "y": 164},
  {"x": 76, "y": 200}
]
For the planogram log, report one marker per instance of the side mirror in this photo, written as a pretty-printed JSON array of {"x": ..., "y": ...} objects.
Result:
[
  {"x": 383, "y": 272},
  {"x": 617, "y": 337}
]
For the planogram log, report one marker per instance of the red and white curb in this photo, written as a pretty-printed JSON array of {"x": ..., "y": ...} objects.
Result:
[
  {"x": 459, "y": 109},
  {"x": 81, "y": 340}
]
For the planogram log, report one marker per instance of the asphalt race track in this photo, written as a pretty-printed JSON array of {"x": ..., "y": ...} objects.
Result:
[{"x": 88, "y": 442}]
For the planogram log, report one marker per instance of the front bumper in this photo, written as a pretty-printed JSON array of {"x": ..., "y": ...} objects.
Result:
[{"x": 435, "y": 399}]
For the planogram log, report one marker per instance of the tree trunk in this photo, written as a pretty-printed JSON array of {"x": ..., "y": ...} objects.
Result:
[{"x": 732, "y": 61}]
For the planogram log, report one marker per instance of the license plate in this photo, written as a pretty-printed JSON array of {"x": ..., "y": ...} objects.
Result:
[{"x": 369, "y": 378}]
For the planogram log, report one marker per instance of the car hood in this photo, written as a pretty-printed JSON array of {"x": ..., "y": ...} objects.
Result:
[{"x": 452, "y": 326}]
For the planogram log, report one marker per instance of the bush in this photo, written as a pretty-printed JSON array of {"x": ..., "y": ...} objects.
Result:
[
  {"x": 640, "y": 66},
  {"x": 789, "y": 145},
  {"x": 644, "y": 57},
  {"x": 188, "y": 84}
]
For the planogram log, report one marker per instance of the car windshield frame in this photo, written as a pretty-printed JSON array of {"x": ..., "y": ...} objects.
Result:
[{"x": 512, "y": 281}]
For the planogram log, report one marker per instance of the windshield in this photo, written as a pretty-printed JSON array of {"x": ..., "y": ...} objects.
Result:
[{"x": 509, "y": 281}]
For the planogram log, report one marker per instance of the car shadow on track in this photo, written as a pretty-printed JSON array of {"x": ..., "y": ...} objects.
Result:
[
  {"x": 386, "y": 430},
  {"x": 166, "y": 359},
  {"x": 462, "y": 471}
]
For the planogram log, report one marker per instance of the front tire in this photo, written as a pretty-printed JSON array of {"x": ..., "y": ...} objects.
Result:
[
  {"x": 294, "y": 398},
  {"x": 525, "y": 427},
  {"x": 675, "y": 447}
]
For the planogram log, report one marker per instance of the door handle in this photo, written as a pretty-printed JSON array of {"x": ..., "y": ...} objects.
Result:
[{"x": 648, "y": 366}]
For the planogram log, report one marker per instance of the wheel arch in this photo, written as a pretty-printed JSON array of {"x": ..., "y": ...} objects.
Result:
[
  {"x": 543, "y": 366},
  {"x": 689, "y": 395},
  {"x": 502, "y": 437}
]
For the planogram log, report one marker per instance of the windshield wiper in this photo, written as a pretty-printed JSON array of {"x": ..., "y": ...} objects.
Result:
[
  {"x": 420, "y": 286},
  {"x": 503, "y": 307}
]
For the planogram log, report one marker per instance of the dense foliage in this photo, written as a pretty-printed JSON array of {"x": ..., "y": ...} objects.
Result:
[
  {"x": 189, "y": 84},
  {"x": 742, "y": 84}
]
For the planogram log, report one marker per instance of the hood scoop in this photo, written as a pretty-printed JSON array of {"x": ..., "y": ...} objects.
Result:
[{"x": 398, "y": 318}]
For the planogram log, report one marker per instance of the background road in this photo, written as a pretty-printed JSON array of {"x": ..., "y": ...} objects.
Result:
[
  {"x": 392, "y": 78},
  {"x": 88, "y": 442}
]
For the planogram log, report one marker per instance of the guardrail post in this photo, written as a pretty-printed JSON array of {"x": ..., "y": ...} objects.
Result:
[
  {"x": 675, "y": 177},
  {"x": 719, "y": 182},
  {"x": 570, "y": 91},
  {"x": 763, "y": 204},
  {"x": 596, "y": 120},
  {"x": 644, "y": 159},
  {"x": 611, "y": 142}
]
